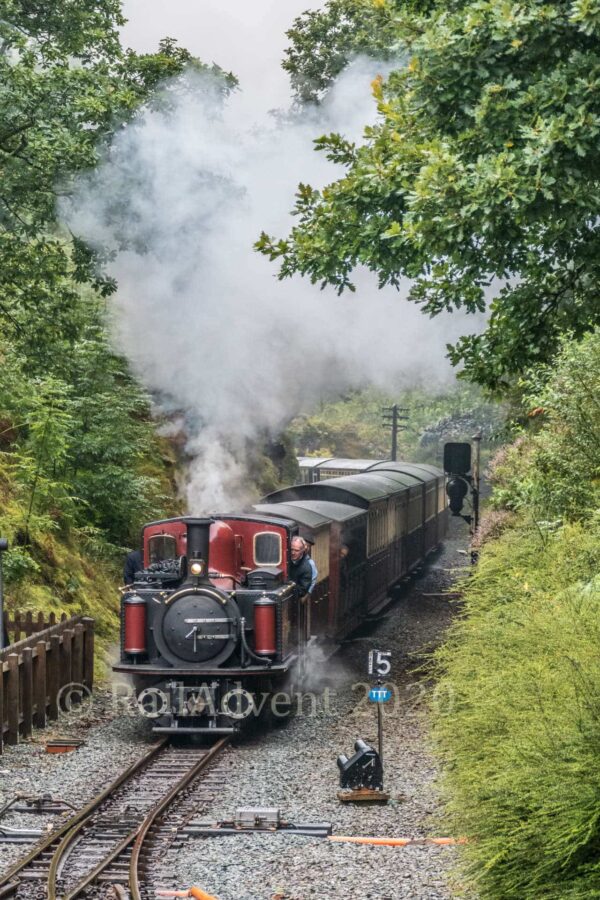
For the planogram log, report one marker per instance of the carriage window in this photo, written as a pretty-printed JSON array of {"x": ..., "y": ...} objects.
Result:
[
  {"x": 267, "y": 548},
  {"x": 162, "y": 546}
]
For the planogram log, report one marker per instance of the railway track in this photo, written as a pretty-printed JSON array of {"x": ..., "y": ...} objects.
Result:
[{"x": 113, "y": 841}]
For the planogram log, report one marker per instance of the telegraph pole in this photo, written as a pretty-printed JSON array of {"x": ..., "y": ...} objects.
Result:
[
  {"x": 476, "y": 479},
  {"x": 392, "y": 415}
]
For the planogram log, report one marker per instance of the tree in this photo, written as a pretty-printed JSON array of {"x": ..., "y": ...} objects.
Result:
[
  {"x": 322, "y": 42},
  {"x": 67, "y": 85},
  {"x": 79, "y": 451},
  {"x": 480, "y": 179},
  {"x": 552, "y": 470}
]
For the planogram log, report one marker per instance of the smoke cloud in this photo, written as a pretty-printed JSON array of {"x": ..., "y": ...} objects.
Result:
[{"x": 203, "y": 319}]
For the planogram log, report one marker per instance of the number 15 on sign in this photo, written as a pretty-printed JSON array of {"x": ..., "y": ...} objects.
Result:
[{"x": 380, "y": 662}]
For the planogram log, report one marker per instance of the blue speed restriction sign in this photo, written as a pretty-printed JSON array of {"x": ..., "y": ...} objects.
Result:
[{"x": 380, "y": 695}]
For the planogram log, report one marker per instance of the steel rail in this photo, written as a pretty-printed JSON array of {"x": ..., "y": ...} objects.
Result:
[
  {"x": 156, "y": 813},
  {"x": 68, "y": 843},
  {"x": 102, "y": 865},
  {"x": 9, "y": 882}
]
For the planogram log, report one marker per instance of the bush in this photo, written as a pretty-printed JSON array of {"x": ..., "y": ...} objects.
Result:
[
  {"x": 520, "y": 740},
  {"x": 18, "y": 564},
  {"x": 553, "y": 469}
]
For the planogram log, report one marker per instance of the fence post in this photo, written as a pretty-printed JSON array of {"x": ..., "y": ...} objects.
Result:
[
  {"x": 65, "y": 664},
  {"x": 53, "y": 668},
  {"x": 27, "y": 696},
  {"x": 40, "y": 685},
  {"x": 28, "y": 624},
  {"x": 12, "y": 699},
  {"x": 1, "y": 705},
  {"x": 40, "y": 622},
  {"x": 17, "y": 636},
  {"x": 77, "y": 666},
  {"x": 88, "y": 653}
]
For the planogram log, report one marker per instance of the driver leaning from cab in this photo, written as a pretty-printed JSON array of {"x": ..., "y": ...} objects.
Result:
[{"x": 300, "y": 568}]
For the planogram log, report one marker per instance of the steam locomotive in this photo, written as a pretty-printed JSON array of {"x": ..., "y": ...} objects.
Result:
[{"x": 213, "y": 621}]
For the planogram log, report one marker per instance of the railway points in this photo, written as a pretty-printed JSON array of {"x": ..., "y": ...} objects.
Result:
[{"x": 107, "y": 841}]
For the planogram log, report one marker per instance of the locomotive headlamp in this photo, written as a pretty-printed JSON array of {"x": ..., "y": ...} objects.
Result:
[{"x": 197, "y": 567}]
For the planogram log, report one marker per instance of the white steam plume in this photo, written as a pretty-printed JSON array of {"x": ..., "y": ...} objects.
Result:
[{"x": 201, "y": 316}]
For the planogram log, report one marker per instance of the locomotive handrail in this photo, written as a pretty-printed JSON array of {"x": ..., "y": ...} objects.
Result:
[{"x": 197, "y": 589}]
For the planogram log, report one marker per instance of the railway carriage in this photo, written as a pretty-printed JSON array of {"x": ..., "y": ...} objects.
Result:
[
  {"x": 339, "y": 532},
  {"x": 213, "y": 622}
]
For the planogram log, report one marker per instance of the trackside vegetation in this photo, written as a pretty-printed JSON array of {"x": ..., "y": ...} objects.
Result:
[
  {"x": 80, "y": 463},
  {"x": 518, "y": 733},
  {"x": 352, "y": 426}
]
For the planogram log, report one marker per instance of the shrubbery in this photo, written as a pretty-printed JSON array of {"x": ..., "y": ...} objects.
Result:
[
  {"x": 81, "y": 467},
  {"x": 520, "y": 736},
  {"x": 556, "y": 471}
]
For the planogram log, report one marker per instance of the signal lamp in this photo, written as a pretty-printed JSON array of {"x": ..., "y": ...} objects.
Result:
[
  {"x": 456, "y": 489},
  {"x": 197, "y": 567},
  {"x": 457, "y": 458}
]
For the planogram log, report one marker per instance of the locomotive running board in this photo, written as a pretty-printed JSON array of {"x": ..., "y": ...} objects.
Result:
[{"x": 174, "y": 671}]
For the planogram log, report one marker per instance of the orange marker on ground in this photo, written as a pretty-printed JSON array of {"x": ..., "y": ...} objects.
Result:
[
  {"x": 394, "y": 842},
  {"x": 195, "y": 892}
]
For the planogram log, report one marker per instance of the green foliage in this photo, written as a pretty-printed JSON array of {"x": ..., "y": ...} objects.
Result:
[
  {"x": 79, "y": 457},
  {"x": 80, "y": 464},
  {"x": 481, "y": 175},
  {"x": 322, "y": 42},
  {"x": 518, "y": 731},
  {"x": 519, "y": 738},
  {"x": 352, "y": 427},
  {"x": 555, "y": 471},
  {"x": 66, "y": 87}
]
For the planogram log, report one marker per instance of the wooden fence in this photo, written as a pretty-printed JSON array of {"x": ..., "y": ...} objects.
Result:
[
  {"x": 35, "y": 671},
  {"x": 26, "y": 624}
]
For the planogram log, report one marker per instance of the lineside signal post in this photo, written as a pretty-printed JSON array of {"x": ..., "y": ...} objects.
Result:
[
  {"x": 463, "y": 474},
  {"x": 361, "y": 775},
  {"x": 380, "y": 664}
]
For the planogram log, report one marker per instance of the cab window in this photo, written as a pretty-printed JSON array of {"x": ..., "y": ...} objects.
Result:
[
  {"x": 267, "y": 548},
  {"x": 161, "y": 546}
]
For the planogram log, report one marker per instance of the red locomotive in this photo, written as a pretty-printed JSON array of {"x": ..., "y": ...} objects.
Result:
[{"x": 213, "y": 622}]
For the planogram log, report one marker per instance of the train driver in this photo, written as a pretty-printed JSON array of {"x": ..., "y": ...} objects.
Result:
[{"x": 300, "y": 569}]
